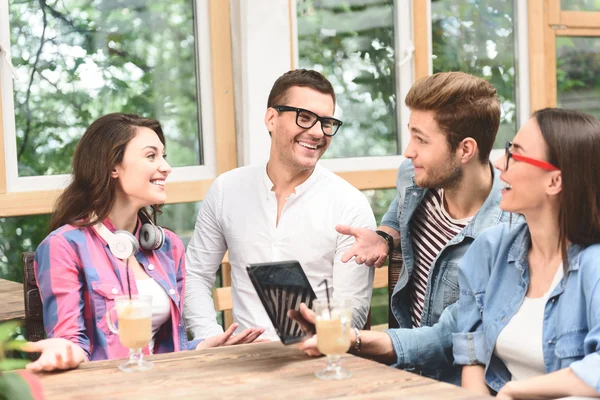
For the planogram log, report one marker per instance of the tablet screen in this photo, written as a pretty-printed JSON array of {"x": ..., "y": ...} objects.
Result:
[{"x": 282, "y": 286}]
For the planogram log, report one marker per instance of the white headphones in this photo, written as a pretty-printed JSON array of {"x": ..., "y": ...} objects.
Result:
[{"x": 124, "y": 245}]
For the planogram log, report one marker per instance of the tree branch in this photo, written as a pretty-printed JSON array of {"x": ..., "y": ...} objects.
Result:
[{"x": 31, "y": 77}]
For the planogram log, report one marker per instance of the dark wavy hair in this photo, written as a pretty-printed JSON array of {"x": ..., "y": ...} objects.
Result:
[
  {"x": 92, "y": 189},
  {"x": 573, "y": 145}
]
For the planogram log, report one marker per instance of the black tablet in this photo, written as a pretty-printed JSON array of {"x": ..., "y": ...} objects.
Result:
[{"x": 281, "y": 287}]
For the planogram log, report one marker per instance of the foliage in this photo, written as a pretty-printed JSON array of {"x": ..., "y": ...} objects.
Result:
[
  {"x": 578, "y": 82},
  {"x": 353, "y": 46},
  {"x": 76, "y": 60},
  {"x": 478, "y": 37},
  {"x": 19, "y": 385},
  {"x": 10, "y": 342},
  {"x": 580, "y": 5}
]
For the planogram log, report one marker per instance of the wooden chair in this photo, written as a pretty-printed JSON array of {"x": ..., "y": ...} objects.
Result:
[
  {"x": 34, "y": 321},
  {"x": 394, "y": 268}
]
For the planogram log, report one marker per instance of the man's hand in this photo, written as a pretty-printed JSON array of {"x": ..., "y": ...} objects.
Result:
[
  {"x": 307, "y": 320},
  {"x": 57, "y": 354},
  {"x": 227, "y": 338},
  {"x": 305, "y": 317},
  {"x": 369, "y": 248}
]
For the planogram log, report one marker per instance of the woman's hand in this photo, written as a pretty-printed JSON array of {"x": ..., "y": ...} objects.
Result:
[
  {"x": 507, "y": 392},
  {"x": 227, "y": 338},
  {"x": 57, "y": 354}
]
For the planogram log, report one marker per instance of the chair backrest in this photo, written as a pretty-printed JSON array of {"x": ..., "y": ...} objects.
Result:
[
  {"x": 395, "y": 266},
  {"x": 34, "y": 321}
]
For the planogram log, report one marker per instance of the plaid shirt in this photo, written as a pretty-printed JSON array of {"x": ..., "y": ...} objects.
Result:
[{"x": 79, "y": 279}]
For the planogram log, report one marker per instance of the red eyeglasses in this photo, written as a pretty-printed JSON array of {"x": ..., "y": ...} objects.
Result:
[{"x": 531, "y": 161}]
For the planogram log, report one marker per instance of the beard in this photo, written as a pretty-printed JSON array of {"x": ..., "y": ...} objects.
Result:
[{"x": 447, "y": 176}]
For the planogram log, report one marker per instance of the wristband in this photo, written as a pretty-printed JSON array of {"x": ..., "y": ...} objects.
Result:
[{"x": 389, "y": 239}]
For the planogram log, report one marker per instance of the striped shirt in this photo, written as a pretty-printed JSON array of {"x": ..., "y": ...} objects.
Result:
[
  {"x": 79, "y": 278},
  {"x": 431, "y": 228}
]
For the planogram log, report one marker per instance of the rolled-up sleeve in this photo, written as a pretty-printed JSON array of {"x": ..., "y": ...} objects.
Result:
[
  {"x": 468, "y": 343},
  {"x": 426, "y": 346},
  {"x": 390, "y": 218},
  {"x": 588, "y": 368}
]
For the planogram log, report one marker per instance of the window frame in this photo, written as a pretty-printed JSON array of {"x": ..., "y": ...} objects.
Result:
[
  {"x": 256, "y": 77},
  {"x": 547, "y": 22},
  {"x": 36, "y": 195}
]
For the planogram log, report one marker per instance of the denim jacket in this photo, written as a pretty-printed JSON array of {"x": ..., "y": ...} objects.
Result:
[
  {"x": 428, "y": 350},
  {"x": 494, "y": 277}
]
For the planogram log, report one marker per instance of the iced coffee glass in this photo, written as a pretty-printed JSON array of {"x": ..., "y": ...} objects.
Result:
[
  {"x": 333, "y": 335},
  {"x": 134, "y": 327}
]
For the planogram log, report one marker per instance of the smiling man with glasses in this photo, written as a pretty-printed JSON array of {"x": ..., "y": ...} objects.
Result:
[{"x": 285, "y": 209}]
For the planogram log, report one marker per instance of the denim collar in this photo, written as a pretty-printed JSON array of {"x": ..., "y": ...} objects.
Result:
[{"x": 519, "y": 250}]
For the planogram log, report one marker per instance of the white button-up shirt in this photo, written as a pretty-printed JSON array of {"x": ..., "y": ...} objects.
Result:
[{"x": 239, "y": 213}]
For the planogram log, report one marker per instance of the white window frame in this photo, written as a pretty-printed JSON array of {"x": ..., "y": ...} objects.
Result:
[{"x": 14, "y": 183}]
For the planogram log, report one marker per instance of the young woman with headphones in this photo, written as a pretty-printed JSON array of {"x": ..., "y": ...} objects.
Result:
[{"x": 103, "y": 245}]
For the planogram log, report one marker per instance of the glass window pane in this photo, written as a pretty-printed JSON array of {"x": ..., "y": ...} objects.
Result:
[
  {"x": 478, "y": 37},
  {"x": 580, "y": 5},
  {"x": 577, "y": 74},
  {"x": 352, "y": 44},
  {"x": 77, "y": 60},
  {"x": 17, "y": 235}
]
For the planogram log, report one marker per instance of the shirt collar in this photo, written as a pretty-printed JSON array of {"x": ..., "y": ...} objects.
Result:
[
  {"x": 519, "y": 250},
  {"x": 268, "y": 184},
  {"x": 111, "y": 227}
]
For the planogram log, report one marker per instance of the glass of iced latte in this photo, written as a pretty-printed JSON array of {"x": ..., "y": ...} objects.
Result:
[
  {"x": 134, "y": 319},
  {"x": 333, "y": 335}
]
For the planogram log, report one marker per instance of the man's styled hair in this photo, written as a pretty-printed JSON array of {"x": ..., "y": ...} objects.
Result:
[
  {"x": 298, "y": 77},
  {"x": 464, "y": 106}
]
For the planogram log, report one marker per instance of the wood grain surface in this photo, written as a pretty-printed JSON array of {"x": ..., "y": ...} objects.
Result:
[{"x": 254, "y": 371}]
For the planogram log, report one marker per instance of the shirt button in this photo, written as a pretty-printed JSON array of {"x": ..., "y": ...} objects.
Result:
[
  {"x": 415, "y": 194},
  {"x": 150, "y": 267},
  {"x": 115, "y": 290},
  {"x": 172, "y": 291},
  {"x": 550, "y": 341}
]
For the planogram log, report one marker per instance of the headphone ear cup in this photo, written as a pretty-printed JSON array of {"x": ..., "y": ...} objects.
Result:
[
  {"x": 125, "y": 245},
  {"x": 151, "y": 237}
]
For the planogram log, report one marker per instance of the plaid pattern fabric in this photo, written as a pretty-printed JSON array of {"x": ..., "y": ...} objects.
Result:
[{"x": 79, "y": 279}]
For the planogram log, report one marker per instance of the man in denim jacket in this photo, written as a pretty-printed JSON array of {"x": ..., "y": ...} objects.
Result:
[{"x": 448, "y": 192}]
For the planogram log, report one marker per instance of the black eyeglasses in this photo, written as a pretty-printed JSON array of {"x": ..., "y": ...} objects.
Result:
[
  {"x": 531, "y": 161},
  {"x": 306, "y": 119}
]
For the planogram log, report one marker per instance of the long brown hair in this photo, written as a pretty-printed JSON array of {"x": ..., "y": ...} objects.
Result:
[
  {"x": 573, "y": 145},
  {"x": 464, "y": 106},
  {"x": 92, "y": 189}
]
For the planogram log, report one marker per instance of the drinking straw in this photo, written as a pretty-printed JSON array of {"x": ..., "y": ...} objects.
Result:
[
  {"x": 327, "y": 292},
  {"x": 127, "y": 272}
]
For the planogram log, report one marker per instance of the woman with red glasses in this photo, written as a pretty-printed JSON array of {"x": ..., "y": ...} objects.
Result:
[{"x": 529, "y": 308}]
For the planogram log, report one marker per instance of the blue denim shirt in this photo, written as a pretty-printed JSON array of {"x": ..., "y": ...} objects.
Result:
[
  {"x": 428, "y": 350},
  {"x": 494, "y": 277}
]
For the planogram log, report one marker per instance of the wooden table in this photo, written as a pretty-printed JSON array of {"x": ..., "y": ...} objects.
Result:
[
  {"x": 12, "y": 304},
  {"x": 264, "y": 370}
]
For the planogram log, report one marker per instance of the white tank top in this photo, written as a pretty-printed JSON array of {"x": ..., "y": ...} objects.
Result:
[
  {"x": 519, "y": 344},
  {"x": 161, "y": 304}
]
